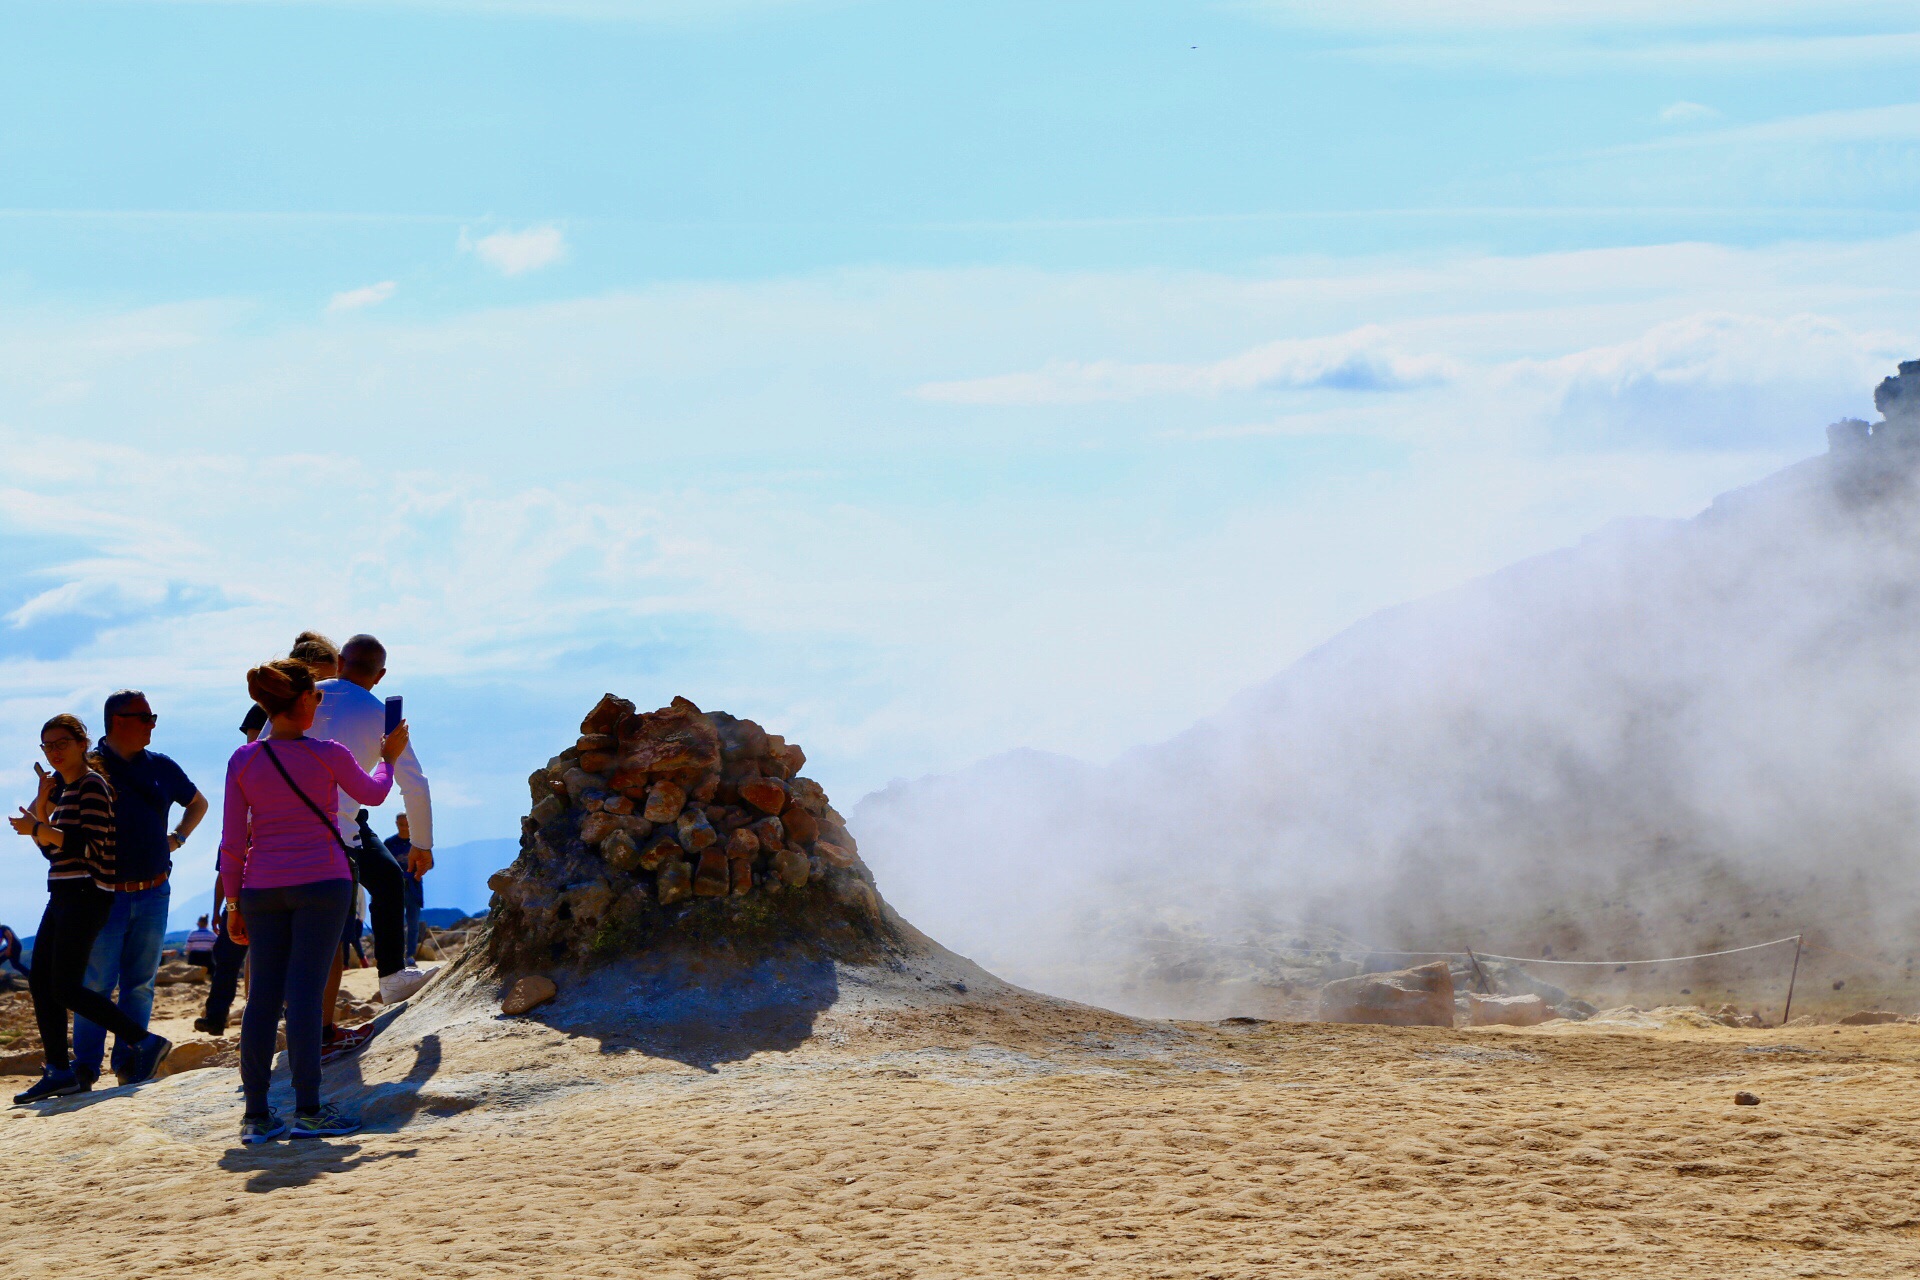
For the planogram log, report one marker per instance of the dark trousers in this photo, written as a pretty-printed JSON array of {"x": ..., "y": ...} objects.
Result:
[
  {"x": 76, "y": 912},
  {"x": 229, "y": 958},
  {"x": 385, "y": 881},
  {"x": 292, "y": 934}
]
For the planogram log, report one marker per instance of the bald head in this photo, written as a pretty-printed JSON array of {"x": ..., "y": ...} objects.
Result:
[{"x": 363, "y": 660}]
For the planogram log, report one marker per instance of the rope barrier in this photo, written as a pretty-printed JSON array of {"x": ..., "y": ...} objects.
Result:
[
  {"x": 1492, "y": 955},
  {"x": 1704, "y": 955}
]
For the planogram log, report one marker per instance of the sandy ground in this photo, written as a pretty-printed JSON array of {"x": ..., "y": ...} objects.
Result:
[{"x": 893, "y": 1125}]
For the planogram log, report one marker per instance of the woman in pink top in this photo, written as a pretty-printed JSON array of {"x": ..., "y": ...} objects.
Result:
[{"x": 285, "y": 870}]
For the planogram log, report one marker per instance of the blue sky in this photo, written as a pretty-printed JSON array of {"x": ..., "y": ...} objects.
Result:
[{"x": 924, "y": 380}]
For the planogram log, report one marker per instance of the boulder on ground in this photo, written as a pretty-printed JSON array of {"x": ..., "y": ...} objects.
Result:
[
  {"x": 28, "y": 1062},
  {"x": 1508, "y": 1011},
  {"x": 190, "y": 1055},
  {"x": 1417, "y": 997},
  {"x": 171, "y": 975},
  {"x": 1869, "y": 1018},
  {"x": 528, "y": 994}
]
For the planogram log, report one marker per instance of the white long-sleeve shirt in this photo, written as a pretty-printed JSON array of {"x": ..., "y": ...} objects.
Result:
[{"x": 356, "y": 718}]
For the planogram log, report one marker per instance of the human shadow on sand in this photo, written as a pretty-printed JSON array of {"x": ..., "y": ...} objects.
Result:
[
  {"x": 387, "y": 1105},
  {"x": 292, "y": 1162},
  {"x": 699, "y": 1011}
]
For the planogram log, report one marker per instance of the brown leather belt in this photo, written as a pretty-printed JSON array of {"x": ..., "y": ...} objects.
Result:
[{"x": 135, "y": 886}]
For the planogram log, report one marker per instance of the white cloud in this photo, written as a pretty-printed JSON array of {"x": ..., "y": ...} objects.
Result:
[
  {"x": 1581, "y": 15},
  {"x": 672, "y": 12},
  {"x": 367, "y": 296},
  {"x": 1361, "y": 360},
  {"x": 1897, "y": 123},
  {"x": 514, "y": 253},
  {"x": 1712, "y": 379},
  {"x": 1687, "y": 113}
]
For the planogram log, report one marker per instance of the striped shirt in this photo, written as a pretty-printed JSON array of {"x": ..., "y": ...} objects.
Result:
[{"x": 83, "y": 814}]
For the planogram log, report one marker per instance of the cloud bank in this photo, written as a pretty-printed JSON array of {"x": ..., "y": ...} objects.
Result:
[{"x": 738, "y": 492}]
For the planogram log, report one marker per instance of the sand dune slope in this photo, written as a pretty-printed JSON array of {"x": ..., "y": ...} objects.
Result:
[{"x": 885, "y": 1122}]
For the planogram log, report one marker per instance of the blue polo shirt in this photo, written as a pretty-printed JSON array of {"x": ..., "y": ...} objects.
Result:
[{"x": 143, "y": 789}]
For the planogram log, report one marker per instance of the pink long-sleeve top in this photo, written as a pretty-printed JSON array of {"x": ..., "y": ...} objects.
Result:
[{"x": 269, "y": 838}]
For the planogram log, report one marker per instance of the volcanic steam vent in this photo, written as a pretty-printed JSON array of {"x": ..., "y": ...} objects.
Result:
[{"x": 680, "y": 827}]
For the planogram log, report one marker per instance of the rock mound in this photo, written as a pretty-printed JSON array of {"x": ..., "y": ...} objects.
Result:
[{"x": 681, "y": 828}]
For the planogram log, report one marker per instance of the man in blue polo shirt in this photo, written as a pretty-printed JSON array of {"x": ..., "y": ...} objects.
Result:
[{"x": 126, "y": 955}]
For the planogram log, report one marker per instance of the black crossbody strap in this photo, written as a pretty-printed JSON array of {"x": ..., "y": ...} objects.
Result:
[{"x": 318, "y": 812}]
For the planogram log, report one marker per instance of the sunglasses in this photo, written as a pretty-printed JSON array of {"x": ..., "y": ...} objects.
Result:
[
  {"x": 144, "y": 717},
  {"x": 58, "y": 743}
]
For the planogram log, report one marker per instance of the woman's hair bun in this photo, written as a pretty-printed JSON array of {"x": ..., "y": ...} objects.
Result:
[{"x": 277, "y": 685}]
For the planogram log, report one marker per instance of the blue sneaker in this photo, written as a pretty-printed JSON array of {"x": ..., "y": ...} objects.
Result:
[
  {"x": 255, "y": 1130},
  {"x": 52, "y": 1084},
  {"x": 324, "y": 1123},
  {"x": 145, "y": 1058}
]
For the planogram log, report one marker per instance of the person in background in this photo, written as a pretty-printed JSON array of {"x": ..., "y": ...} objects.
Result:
[
  {"x": 354, "y": 939},
  {"x": 223, "y": 981},
  {"x": 200, "y": 940},
  {"x": 126, "y": 955},
  {"x": 12, "y": 972},
  {"x": 317, "y": 652},
  {"x": 401, "y": 847},
  {"x": 351, "y": 715},
  {"x": 284, "y": 873},
  {"x": 71, "y": 822}
]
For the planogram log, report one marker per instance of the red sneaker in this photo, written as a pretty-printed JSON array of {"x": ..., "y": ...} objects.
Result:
[{"x": 346, "y": 1042}]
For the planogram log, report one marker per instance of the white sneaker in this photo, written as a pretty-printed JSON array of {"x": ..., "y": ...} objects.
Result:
[{"x": 395, "y": 987}]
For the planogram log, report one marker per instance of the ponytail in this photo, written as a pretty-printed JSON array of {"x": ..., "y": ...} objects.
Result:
[{"x": 277, "y": 685}]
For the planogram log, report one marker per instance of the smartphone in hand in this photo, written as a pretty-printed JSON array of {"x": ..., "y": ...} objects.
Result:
[{"x": 393, "y": 713}]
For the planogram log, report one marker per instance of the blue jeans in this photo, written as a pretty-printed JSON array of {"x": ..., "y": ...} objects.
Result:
[{"x": 126, "y": 956}]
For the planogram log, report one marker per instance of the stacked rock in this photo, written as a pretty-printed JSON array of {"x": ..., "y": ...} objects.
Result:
[{"x": 652, "y": 810}]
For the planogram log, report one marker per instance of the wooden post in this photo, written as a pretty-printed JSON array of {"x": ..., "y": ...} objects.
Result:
[
  {"x": 1794, "y": 976},
  {"x": 1478, "y": 972}
]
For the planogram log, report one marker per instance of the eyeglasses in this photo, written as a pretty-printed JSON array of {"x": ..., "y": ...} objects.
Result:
[
  {"x": 58, "y": 743},
  {"x": 144, "y": 717}
]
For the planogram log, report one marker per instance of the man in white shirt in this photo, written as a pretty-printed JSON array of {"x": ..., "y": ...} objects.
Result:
[{"x": 351, "y": 715}]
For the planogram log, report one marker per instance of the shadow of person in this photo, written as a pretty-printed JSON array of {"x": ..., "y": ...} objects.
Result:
[
  {"x": 697, "y": 1010},
  {"x": 387, "y": 1106},
  {"x": 292, "y": 1162}
]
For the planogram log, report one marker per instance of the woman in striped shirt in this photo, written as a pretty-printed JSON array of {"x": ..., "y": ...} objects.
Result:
[{"x": 71, "y": 820}]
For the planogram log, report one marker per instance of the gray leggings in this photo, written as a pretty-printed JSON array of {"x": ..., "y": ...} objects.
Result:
[{"x": 293, "y": 934}]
